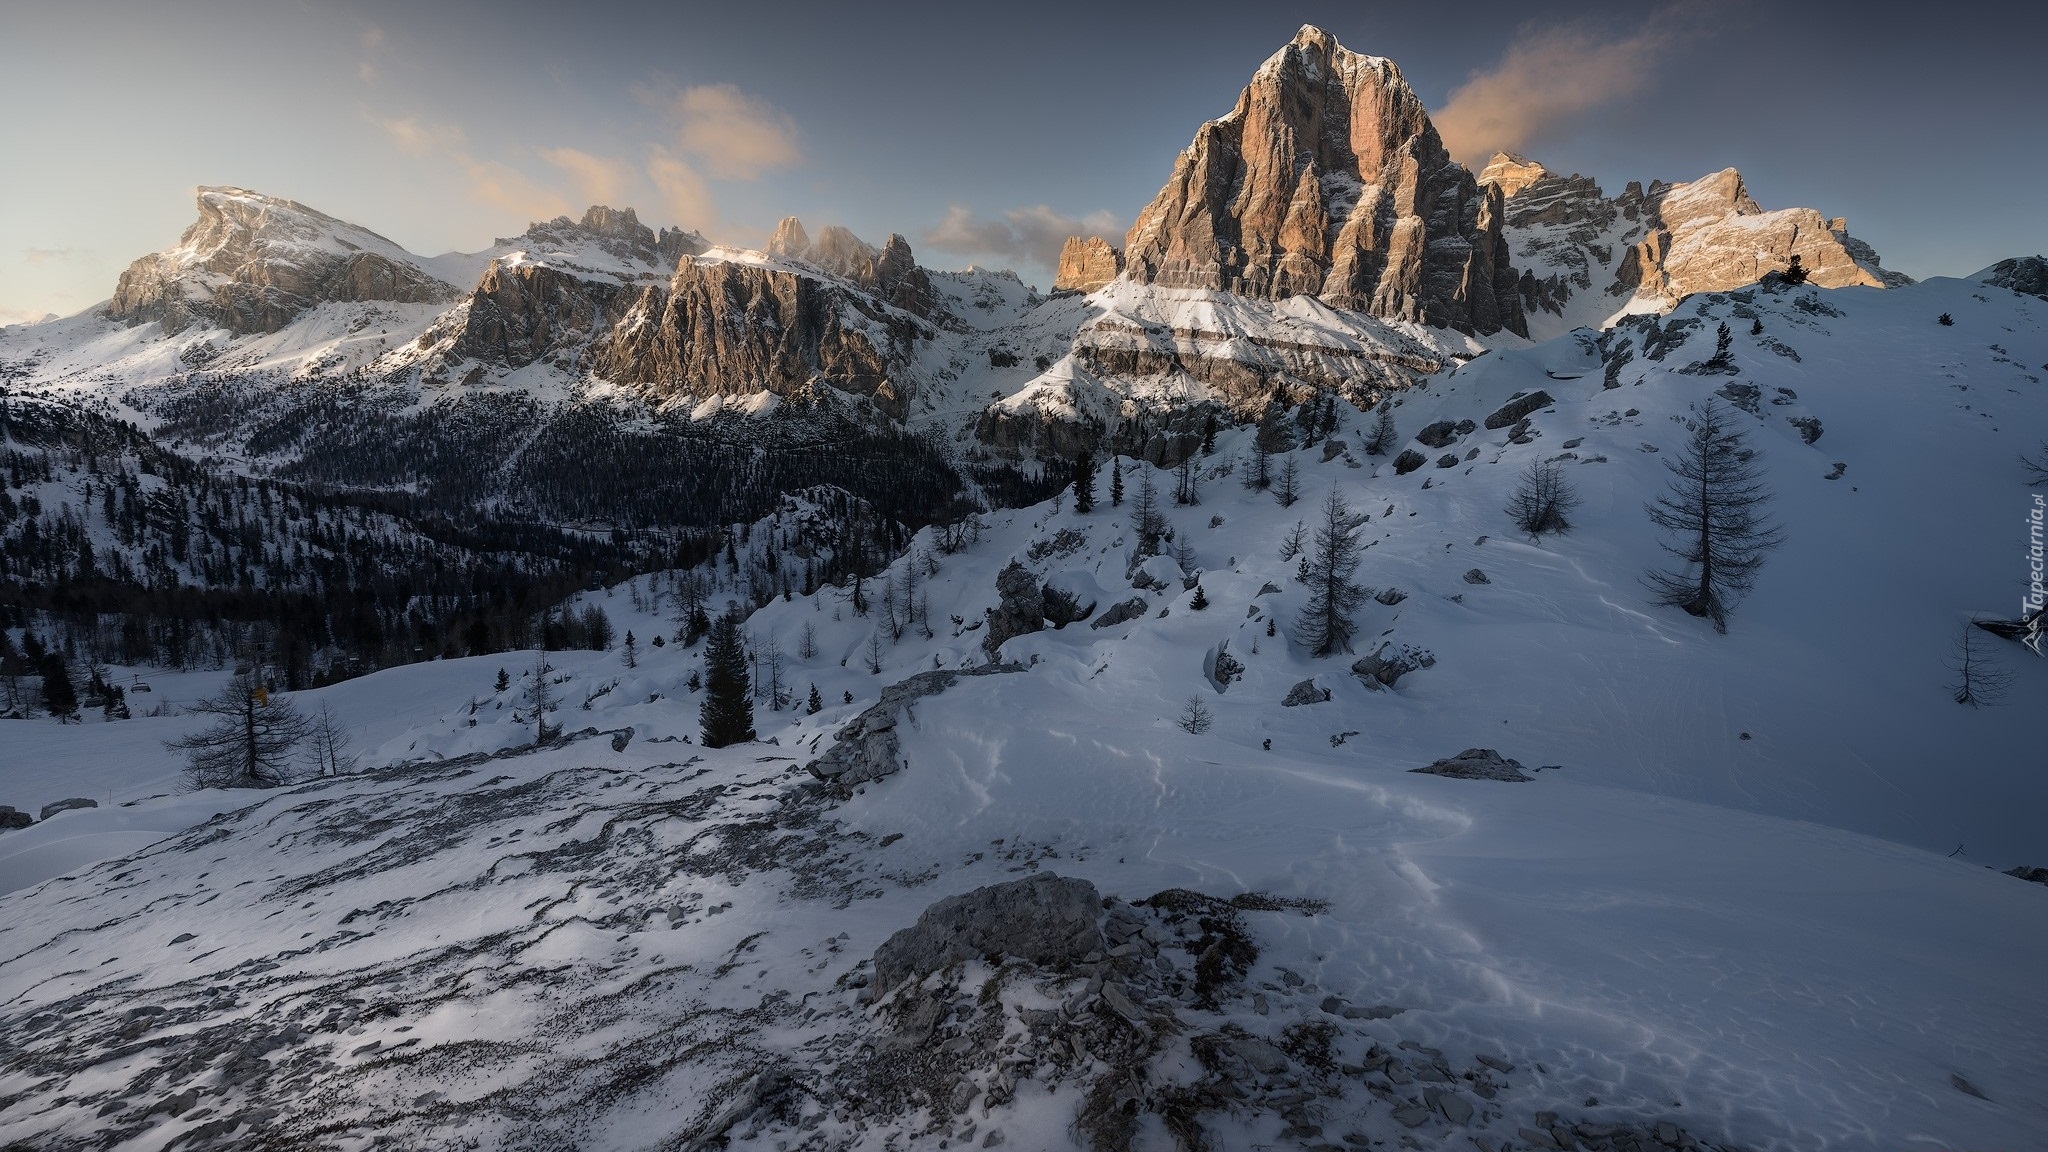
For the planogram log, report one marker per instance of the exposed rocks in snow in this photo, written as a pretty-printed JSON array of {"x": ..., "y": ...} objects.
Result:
[
  {"x": 1046, "y": 919},
  {"x": 1475, "y": 576},
  {"x": 12, "y": 817},
  {"x": 869, "y": 748},
  {"x": 1477, "y": 764},
  {"x": 1408, "y": 461},
  {"x": 1087, "y": 263},
  {"x": 1306, "y": 692},
  {"x": 1809, "y": 427},
  {"x": 1328, "y": 180},
  {"x": 1444, "y": 432},
  {"x": 2028, "y": 274},
  {"x": 1386, "y": 666},
  {"x": 1122, "y": 612},
  {"x": 1514, "y": 410},
  {"x": 72, "y": 804},
  {"x": 2030, "y": 874},
  {"x": 1021, "y": 610}
]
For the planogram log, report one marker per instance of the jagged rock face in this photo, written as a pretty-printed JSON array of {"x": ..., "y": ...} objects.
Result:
[
  {"x": 731, "y": 329},
  {"x": 521, "y": 313},
  {"x": 1045, "y": 919},
  {"x": 1087, "y": 263},
  {"x": 2028, "y": 274},
  {"x": 254, "y": 263},
  {"x": 1329, "y": 180},
  {"x": 891, "y": 273},
  {"x": 619, "y": 232},
  {"x": 1582, "y": 255}
]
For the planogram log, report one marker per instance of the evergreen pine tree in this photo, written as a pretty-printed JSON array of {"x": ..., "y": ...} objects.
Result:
[
  {"x": 1116, "y": 482},
  {"x": 1326, "y": 625},
  {"x": 816, "y": 703},
  {"x": 727, "y": 713},
  {"x": 60, "y": 697},
  {"x": 1084, "y": 484},
  {"x": 1714, "y": 509}
]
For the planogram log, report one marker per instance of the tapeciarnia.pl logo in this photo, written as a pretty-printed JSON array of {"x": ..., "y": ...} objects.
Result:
[{"x": 2035, "y": 595}]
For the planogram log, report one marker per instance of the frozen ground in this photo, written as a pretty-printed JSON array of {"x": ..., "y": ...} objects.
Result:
[{"x": 1763, "y": 940}]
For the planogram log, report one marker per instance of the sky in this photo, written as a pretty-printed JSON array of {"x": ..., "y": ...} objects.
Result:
[{"x": 982, "y": 133}]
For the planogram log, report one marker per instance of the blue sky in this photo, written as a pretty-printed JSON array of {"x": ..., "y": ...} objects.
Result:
[{"x": 980, "y": 132}]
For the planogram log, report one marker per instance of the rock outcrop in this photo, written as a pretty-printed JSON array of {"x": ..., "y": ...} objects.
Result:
[
  {"x": 1477, "y": 764},
  {"x": 2028, "y": 274},
  {"x": 1048, "y": 920},
  {"x": 1328, "y": 179},
  {"x": 722, "y": 328},
  {"x": 1021, "y": 610},
  {"x": 890, "y": 273},
  {"x": 869, "y": 748},
  {"x": 1087, "y": 263},
  {"x": 1581, "y": 256},
  {"x": 253, "y": 263}
]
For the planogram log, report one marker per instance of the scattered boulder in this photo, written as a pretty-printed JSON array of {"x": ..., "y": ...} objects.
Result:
[
  {"x": 1333, "y": 449},
  {"x": 1022, "y": 609},
  {"x": 1514, "y": 410},
  {"x": 2030, "y": 874},
  {"x": 1408, "y": 461},
  {"x": 1441, "y": 433},
  {"x": 1389, "y": 664},
  {"x": 1306, "y": 692},
  {"x": 1809, "y": 427},
  {"x": 1475, "y": 576},
  {"x": 12, "y": 818},
  {"x": 1477, "y": 764},
  {"x": 75, "y": 802},
  {"x": 1447, "y": 460},
  {"x": 1046, "y": 919},
  {"x": 1119, "y": 613}
]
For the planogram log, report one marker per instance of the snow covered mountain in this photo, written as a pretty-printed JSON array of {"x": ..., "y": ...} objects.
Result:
[
  {"x": 1725, "y": 911},
  {"x": 1586, "y": 258}
]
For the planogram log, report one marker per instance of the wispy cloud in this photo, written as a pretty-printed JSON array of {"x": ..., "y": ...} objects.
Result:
[
  {"x": 1032, "y": 235},
  {"x": 735, "y": 136},
  {"x": 1550, "y": 76},
  {"x": 38, "y": 257}
]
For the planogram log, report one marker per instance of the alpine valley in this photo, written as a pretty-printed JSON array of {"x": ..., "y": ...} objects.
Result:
[{"x": 1142, "y": 677}]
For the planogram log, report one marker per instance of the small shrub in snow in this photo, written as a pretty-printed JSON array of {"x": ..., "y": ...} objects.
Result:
[{"x": 1195, "y": 718}]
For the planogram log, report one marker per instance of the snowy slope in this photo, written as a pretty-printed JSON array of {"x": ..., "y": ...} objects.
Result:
[{"x": 1730, "y": 907}]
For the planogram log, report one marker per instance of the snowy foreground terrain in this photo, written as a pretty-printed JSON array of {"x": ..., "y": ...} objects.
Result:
[{"x": 1728, "y": 908}]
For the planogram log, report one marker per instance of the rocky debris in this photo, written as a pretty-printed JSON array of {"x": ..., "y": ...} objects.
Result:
[
  {"x": 1045, "y": 919},
  {"x": 2027, "y": 274},
  {"x": 1306, "y": 692},
  {"x": 1087, "y": 263},
  {"x": 1477, "y": 764},
  {"x": 1120, "y": 613},
  {"x": 1444, "y": 432},
  {"x": 70, "y": 805},
  {"x": 1065, "y": 605},
  {"x": 1386, "y": 666},
  {"x": 12, "y": 818},
  {"x": 253, "y": 263},
  {"x": 1328, "y": 179},
  {"x": 1408, "y": 461},
  {"x": 1021, "y": 610},
  {"x": 869, "y": 748},
  {"x": 1475, "y": 576},
  {"x": 1809, "y": 427},
  {"x": 1514, "y": 410},
  {"x": 2032, "y": 875},
  {"x": 1447, "y": 460}
]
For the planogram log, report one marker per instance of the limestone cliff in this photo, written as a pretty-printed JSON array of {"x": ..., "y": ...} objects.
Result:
[{"x": 1328, "y": 179}]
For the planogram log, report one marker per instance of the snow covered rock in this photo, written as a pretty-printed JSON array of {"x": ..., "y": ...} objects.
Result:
[
  {"x": 2028, "y": 274},
  {"x": 1306, "y": 692},
  {"x": 1517, "y": 408},
  {"x": 1386, "y": 666},
  {"x": 1022, "y": 608},
  {"x": 253, "y": 263},
  {"x": 869, "y": 748},
  {"x": 1048, "y": 920},
  {"x": 75, "y": 802},
  {"x": 1477, "y": 764},
  {"x": 1122, "y": 612},
  {"x": 11, "y": 818}
]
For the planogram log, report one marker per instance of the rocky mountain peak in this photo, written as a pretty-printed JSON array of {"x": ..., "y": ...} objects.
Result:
[
  {"x": 1086, "y": 264},
  {"x": 790, "y": 241},
  {"x": 1328, "y": 179},
  {"x": 253, "y": 263},
  {"x": 1512, "y": 173},
  {"x": 617, "y": 231}
]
